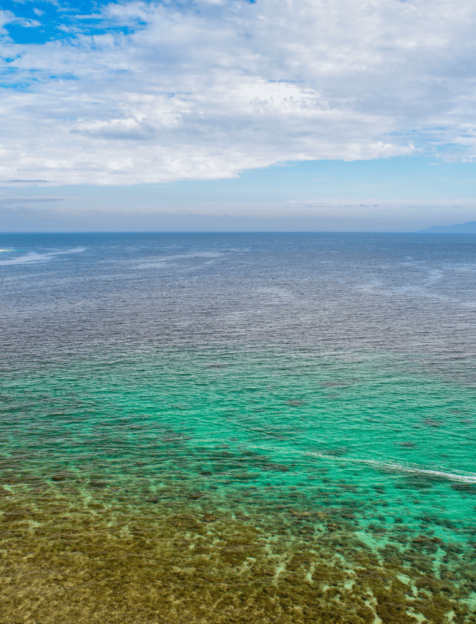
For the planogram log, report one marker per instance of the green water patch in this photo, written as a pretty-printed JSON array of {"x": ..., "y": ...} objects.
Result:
[{"x": 293, "y": 485}]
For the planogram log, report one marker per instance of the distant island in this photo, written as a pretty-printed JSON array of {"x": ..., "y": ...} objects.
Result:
[{"x": 462, "y": 228}]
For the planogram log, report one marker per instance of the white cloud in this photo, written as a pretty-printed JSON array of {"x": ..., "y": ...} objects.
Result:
[
  {"x": 209, "y": 89},
  {"x": 6, "y": 17}
]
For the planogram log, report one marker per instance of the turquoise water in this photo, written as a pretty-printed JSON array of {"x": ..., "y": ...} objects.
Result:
[{"x": 163, "y": 459}]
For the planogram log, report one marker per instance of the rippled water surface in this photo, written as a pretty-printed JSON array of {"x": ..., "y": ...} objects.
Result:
[{"x": 238, "y": 428}]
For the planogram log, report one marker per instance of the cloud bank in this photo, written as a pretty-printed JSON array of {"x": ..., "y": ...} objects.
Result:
[{"x": 204, "y": 90}]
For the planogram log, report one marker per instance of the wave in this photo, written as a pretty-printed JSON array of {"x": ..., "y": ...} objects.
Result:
[
  {"x": 160, "y": 262},
  {"x": 195, "y": 254},
  {"x": 382, "y": 465},
  {"x": 397, "y": 467},
  {"x": 154, "y": 265},
  {"x": 33, "y": 257}
]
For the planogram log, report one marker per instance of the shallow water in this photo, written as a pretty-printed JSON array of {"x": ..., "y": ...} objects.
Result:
[{"x": 238, "y": 428}]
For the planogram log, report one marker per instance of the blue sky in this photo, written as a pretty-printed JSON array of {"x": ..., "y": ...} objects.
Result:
[
  {"x": 342, "y": 114},
  {"x": 41, "y": 21}
]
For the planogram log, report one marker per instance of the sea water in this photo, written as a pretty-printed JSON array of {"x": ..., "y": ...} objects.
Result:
[{"x": 232, "y": 428}]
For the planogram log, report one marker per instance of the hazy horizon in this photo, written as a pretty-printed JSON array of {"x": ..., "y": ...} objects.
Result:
[{"x": 24, "y": 221}]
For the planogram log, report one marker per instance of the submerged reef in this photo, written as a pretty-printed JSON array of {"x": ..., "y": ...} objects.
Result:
[{"x": 74, "y": 548}]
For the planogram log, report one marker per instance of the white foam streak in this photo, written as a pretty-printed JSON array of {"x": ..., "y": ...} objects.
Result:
[
  {"x": 34, "y": 258},
  {"x": 163, "y": 261},
  {"x": 395, "y": 466},
  {"x": 469, "y": 477},
  {"x": 154, "y": 265}
]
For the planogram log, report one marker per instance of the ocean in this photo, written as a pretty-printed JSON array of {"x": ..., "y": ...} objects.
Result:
[{"x": 224, "y": 428}]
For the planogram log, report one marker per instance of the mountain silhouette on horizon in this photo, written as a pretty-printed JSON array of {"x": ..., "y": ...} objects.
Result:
[{"x": 462, "y": 228}]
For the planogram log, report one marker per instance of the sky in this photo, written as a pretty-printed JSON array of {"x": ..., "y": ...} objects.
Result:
[{"x": 224, "y": 115}]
